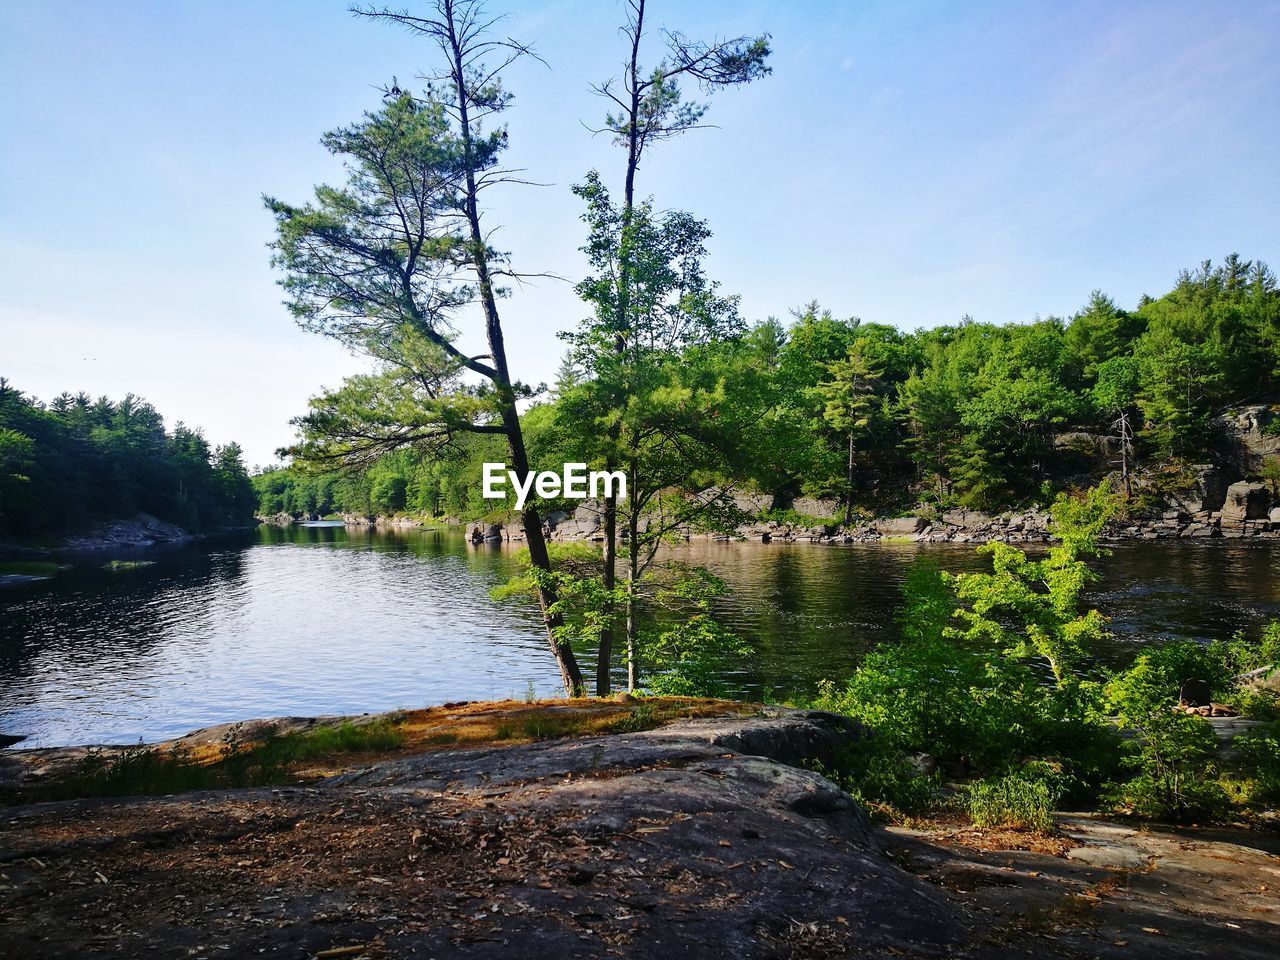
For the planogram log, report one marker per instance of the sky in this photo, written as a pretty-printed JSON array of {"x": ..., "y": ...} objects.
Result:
[{"x": 906, "y": 162}]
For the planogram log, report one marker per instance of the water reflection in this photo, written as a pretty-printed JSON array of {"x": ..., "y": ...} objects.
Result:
[{"x": 320, "y": 618}]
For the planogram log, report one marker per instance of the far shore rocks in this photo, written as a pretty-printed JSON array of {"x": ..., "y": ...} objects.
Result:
[
  {"x": 1246, "y": 501},
  {"x": 142, "y": 530},
  {"x": 1204, "y": 501},
  {"x": 1248, "y": 516}
]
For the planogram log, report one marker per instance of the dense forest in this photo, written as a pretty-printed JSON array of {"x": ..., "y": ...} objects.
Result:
[
  {"x": 76, "y": 460},
  {"x": 875, "y": 418}
]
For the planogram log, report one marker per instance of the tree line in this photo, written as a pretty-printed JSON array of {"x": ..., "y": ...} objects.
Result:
[
  {"x": 663, "y": 379},
  {"x": 876, "y": 418},
  {"x": 76, "y": 459}
]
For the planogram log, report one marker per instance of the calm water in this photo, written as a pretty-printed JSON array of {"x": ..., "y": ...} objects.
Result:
[{"x": 321, "y": 619}]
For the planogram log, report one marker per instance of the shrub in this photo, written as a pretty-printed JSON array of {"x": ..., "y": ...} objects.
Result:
[
  {"x": 1173, "y": 758},
  {"x": 970, "y": 709},
  {"x": 639, "y": 718},
  {"x": 1260, "y": 761},
  {"x": 882, "y": 779},
  {"x": 1014, "y": 800}
]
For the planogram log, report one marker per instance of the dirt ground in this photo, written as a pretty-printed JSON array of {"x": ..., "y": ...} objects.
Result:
[{"x": 692, "y": 840}]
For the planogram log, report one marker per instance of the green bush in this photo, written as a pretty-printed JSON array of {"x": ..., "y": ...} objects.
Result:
[
  {"x": 1259, "y": 753},
  {"x": 883, "y": 780},
  {"x": 1014, "y": 800},
  {"x": 974, "y": 710},
  {"x": 1173, "y": 757}
]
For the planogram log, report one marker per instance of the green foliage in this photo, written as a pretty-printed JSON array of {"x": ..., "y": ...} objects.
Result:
[
  {"x": 966, "y": 684},
  {"x": 688, "y": 651},
  {"x": 76, "y": 460},
  {"x": 328, "y": 741},
  {"x": 585, "y": 605},
  {"x": 118, "y": 565},
  {"x": 29, "y": 568},
  {"x": 691, "y": 658},
  {"x": 1013, "y": 800},
  {"x": 1174, "y": 767},
  {"x": 539, "y": 727},
  {"x": 883, "y": 780},
  {"x": 1028, "y": 607},
  {"x": 640, "y": 718},
  {"x": 961, "y": 414},
  {"x": 991, "y": 677},
  {"x": 1260, "y": 760}
]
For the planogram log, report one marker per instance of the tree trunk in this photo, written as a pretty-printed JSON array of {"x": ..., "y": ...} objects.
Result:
[
  {"x": 633, "y": 578},
  {"x": 1126, "y": 435},
  {"x": 848, "y": 503},
  {"x": 633, "y": 581},
  {"x": 604, "y": 654},
  {"x": 570, "y": 674}
]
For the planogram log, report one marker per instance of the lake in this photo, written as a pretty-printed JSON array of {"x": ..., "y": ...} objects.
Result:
[{"x": 319, "y": 618}]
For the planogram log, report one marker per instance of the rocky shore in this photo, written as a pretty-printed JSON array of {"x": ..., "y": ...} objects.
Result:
[
  {"x": 137, "y": 532},
  {"x": 1218, "y": 500},
  {"x": 1212, "y": 510}
]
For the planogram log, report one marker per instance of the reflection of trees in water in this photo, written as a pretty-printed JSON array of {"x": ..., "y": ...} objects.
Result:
[
  {"x": 809, "y": 611},
  {"x": 806, "y": 611},
  {"x": 91, "y": 616}
]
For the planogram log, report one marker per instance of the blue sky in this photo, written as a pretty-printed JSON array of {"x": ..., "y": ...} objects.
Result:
[{"x": 906, "y": 162}]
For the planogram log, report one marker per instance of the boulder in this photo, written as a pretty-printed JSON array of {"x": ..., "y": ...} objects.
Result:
[
  {"x": 816, "y": 506},
  {"x": 969, "y": 519},
  {"x": 1207, "y": 490},
  {"x": 901, "y": 526},
  {"x": 1246, "y": 500}
]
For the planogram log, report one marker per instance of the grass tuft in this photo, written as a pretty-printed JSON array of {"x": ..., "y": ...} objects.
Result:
[
  {"x": 153, "y": 771},
  {"x": 1011, "y": 801}
]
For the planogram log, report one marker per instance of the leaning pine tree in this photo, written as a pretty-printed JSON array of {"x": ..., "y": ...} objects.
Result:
[{"x": 388, "y": 263}]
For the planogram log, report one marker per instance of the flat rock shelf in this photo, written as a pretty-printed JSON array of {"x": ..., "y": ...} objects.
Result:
[{"x": 705, "y": 837}]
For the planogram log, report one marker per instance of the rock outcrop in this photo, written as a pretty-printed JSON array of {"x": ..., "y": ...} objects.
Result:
[
  {"x": 1205, "y": 491},
  {"x": 700, "y": 839},
  {"x": 141, "y": 530},
  {"x": 1244, "y": 438},
  {"x": 901, "y": 526}
]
